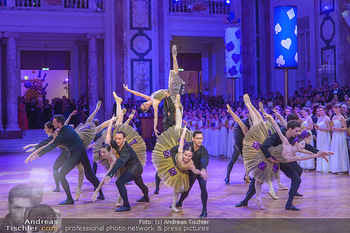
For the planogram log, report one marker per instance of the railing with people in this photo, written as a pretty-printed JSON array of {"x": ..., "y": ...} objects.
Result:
[
  {"x": 96, "y": 5},
  {"x": 205, "y": 7}
]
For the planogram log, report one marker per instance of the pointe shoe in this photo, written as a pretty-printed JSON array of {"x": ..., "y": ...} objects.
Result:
[
  {"x": 77, "y": 194},
  {"x": 173, "y": 209},
  {"x": 259, "y": 204},
  {"x": 273, "y": 194},
  {"x": 117, "y": 98},
  {"x": 292, "y": 207},
  {"x": 174, "y": 50},
  {"x": 56, "y": 190},
  {"x": 132, "y": 114},
  {"x": 143, "y": 199},
  {"x": 122, "y": 209},
  {"x": 241, "y": 204},
  {"x": 281, "y": 187},
  {"x": 204, "y": 214},
  {"x": 67, "y": 202},
  {"x": 119, "y": 201},
  {"x": 98, "y": 105},
  {"x": 227, "y": 181},
  {"x": 124, "y": 111},
  {"x": 246, "y": 99}
]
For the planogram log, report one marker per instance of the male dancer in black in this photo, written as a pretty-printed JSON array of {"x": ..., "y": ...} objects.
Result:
[
  {"x": 134, "y": 169},
  {"x": 168, "y": 121},
  {"x": 201, "y": 160},
  {"x": 292, "y": 169},
  {"x": 68, "y": 138},
  {"x": 238, "y": 137}
]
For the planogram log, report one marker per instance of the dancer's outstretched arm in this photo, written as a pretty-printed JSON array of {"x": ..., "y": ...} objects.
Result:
[
  {"x": 70, "y": 116},
  {"x": 136, "y": 93},
  {"x": 283, "y": 121},
  {"x": 109, "y": 130},
  {"x": 155, "y": 119},
  {"x": 182, "y": 140},
  {"x": 130, "y": 118},
  {"x": 277, "y": 128},
  {"x": 95, "y": 195}
]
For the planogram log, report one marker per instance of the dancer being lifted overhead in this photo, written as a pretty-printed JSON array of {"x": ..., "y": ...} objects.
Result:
[
  {"x": 173, "y": 168},
  {"x": 176, "y": 88}
]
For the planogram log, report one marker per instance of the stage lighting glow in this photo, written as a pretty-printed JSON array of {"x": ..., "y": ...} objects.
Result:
[
  {"x": 45, "y": 69},
  {"x": 39, "y": 176},
  {"x": 227, "y": 1},
  {"x": 26, "y": 77},
  {"x": 286, "y": 31},
  {"x": 66, "y": 79}
]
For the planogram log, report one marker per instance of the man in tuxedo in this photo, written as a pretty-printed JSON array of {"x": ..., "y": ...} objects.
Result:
[{"x": 335, "y": 91}]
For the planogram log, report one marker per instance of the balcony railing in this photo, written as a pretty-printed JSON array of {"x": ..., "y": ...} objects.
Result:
[
  {"x": 53, "y": 4},
  {"x": 213, "y": 7}
]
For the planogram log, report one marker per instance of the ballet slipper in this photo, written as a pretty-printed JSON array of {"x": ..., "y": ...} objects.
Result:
[
  {"x": 173, "y": 209},
  {"x": 246, "y": 100},
  {"x": 281, "y": 187},
  {"x": 124, "y": 111},
  {"x": 77, "y": 194},
  {"x": 258, "y": 202},
  {"x": 273, "y": 194},
  {"x": 261, "y": 108},
  {"x": 117, "y": 98},
  {"x": 132, "y": 114},
  {"x": 98, "y": 105}
]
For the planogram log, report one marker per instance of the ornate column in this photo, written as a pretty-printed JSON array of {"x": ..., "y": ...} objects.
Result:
[
  {"x": 92, "y": 70},
  {"x": 1, "y": 128},
  {"x": 83, "y": 67},
  {"x": 12, "y": 82}
]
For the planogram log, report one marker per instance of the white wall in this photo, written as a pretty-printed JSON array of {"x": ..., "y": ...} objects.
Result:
[{"x": 54, "y": 78}]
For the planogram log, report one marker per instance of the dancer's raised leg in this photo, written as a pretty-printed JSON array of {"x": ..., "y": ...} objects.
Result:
[
  {"x": 119, "y": 112},
  {"x": 92, "y": 116}
]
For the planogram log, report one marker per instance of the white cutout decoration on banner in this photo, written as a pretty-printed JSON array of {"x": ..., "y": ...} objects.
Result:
[
  {"x": 285, "y": 37},
  {"x": 233, "y": 53}
]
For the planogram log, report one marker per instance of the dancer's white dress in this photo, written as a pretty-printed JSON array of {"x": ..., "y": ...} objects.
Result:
[
  {"x": 323, "y": 144},
  {"x": 339, "y": 162},
  {"x": 215, "y": 138}
]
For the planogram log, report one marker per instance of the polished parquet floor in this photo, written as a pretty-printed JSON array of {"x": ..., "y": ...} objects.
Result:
[{"x": 325, "y": 195}]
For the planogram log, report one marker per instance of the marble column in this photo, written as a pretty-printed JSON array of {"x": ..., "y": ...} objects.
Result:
[
  {"x": 92, "y": 70},
  {"x": 1, "y": 128},
  {"x": 83, "y": 66},
  {"x": 12, "y": 82}
]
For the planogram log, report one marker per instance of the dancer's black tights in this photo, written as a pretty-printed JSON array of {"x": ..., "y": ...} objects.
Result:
[
  {"x": 58, "y": 163},
  {"x": 235, "y": 155},
  {"x": 134, "y": 173},
  {"x": 77, "y": 155},
  {"x": 203, "y": 186},
  {"x": 157, "y": 181}
]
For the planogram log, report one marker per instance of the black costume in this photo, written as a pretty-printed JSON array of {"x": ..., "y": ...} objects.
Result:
[
  {"x": 291, "y": 169},
  {"x": 238, "y": 137},
  {"x": 134, "y": 169},
  {"x": 69, "y": 138},
  {"x": 201, "y": 160}
]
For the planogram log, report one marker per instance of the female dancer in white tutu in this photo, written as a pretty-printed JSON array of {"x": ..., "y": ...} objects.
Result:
[{"x": 308, "y": 125}]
